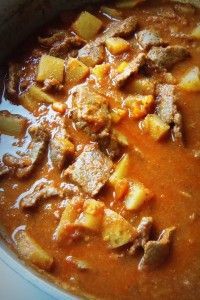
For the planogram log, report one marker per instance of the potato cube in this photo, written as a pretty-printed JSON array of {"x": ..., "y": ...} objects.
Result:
[
  {"x": 76, "y": 71},
  {"x": 154, "y": 126},
  {"x": 121, "y": 138},
  {"x": 121, "y": 188},
  {"x": 191, "y": 80},
  {"x": 27, "y": 102},
  {"x": 13, "y": 125},
  {"x": 67, "y": 222},
  {"x": 141, "y": 86},
  {"x": 50, "y": 67},
  {"x": 100, "y": 71},
  {"x": 116, "y": 230},
  {"x": 87, "y": 25},
  {"x": 92, "y": 216},
  {"x": 139, "y": 106},
  {"x": 122, "y": 66},
  {"x": 59, "y": 107},
  {"x": 31, "y": 251},
  {"x": 120, "y": 170},
  {"x": 128, "y": 3},
  {"x": 117, "y": 45},
  {"x": 111, "y": 12},
  {"x": 137, "y": 195},
  {"x": 196, "y": 32},
  {"x": 117, "y": 114}
]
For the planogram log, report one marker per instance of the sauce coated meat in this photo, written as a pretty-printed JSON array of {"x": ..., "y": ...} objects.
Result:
[{"x": 100, "y": 151}]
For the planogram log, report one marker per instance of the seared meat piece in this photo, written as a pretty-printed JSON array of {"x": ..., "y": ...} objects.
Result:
[
  {"x": 40, "y": 191},
  {"x": 69, "y": 43},
  {"x": 92, "y": 54},
  {"x": 109, "y": 144},
  {"x": 122, "y": 28},
  {"x": 49, "y": 41},
  {"x": 144, "y": 230},
  {"x": 167, "y": 57},
  {"x": 147, "y": 39},
  {"x": 157, "y": 252},
  {"x": 25, "y": 164},
  {"x": 132, "y": 68},
  {"x": 90, "y": 109},
  {"x": 167, "y": 109},
  {"x": 91, "y": 170},
  {"x": 52, "y": 84},
  {"x": 13, "y": 78},
  {"x": 3, "y": 170},
  {"x": 60, "y": 148}
]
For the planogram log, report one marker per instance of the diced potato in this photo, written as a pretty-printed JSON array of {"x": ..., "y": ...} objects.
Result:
[
  {"x": 120, "y": 170},
  {"x": 50, "y": 67},
  {"x": 87, "y": 25},
  {"x": 116, "y": 230},
  {"x": 122, "y": 66},
  {"x": 92, "y": 216},
  {"x": 153, "y": 125},
  {"x": 100, "y": 71},
  {"x": 137, "y": 195},
  {"x": 68, "y": 218},
  {"x": 31, "y": 251},
  {"x": 59, "y": 107},
  {"x": 121, "y": 188},
  {"x": 117, "y": 114},
  {"x": 117, "y": 45},
  {"x": 67, "y": 147},
  {"x": 128, "y": 3},
  {"x": 111, "y": 12},
  {"x": 141, "y": 86},
  {"x": 139, "y": 106},
  {"x": 196, "y": 32},
  {"x": 191, "y": 80},
  {"x": 121, "y": 138},
  {"x": 26, "y": 101},
  {"x": 76, "y": 71},
  {"x": 14, "y": 125}
]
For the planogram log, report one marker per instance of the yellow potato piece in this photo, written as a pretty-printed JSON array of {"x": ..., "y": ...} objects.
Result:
[
  {"x": 121, "y": 138},
  {"x": 154, "y": 126},
  {"x": 137, "y": 195},
  {"x": 50, "y": 67},
  {"x": 32, "y": 252},
  {"x": 139, "y": 106},
  {"x": 122, "y": 66},
  {"x": 100, "y": 71},
  {"x": 120, "y": 170},
  {"x": 116, "y": 230},
  {"x": 141, "y": 86},
  {"x": 117, "y": 114},
  {"x": 76, "y": 71},
  {"x": 196, "y": 32},
  {"x": 87, "y": 25},
  {"x": 117, "y": 45},
  {"x": 13, "y": 125},
  {"x": 191, "y": 80}
]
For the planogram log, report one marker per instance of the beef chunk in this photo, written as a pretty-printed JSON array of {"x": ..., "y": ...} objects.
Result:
[
  {"x": 69, "y": 43},
  {"x": 147, "y": 39},
  {"x": 167, "y": 57},
  {"x": 195, "y": 3},
  {"x": 90, "y": 109},
  {"x": 3, "y": 170},
  {"x": 157, "y": 252},
  {"x": 25, "y": 164},
  {"x": 60, "y": 148},
  {"x": 51, "y": 40},
  {"x": 52, "y": 84},
  {"x": 122, "y": 28},
  {"x": 144, "y": 230},
  {"x": 167, "y": 108},
  {"x": 92, "y": 54},
  {"x": 110, "y": 144},
  {"x": 13, "y": 78},
  {"x": 91, "y": 170},
  {"x": 40, "y": 191},
  {"x": 132, "y": 68}
]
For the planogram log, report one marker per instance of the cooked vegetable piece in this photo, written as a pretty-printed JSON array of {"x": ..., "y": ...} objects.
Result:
[
  {"x": 117, "y": 114},
  {"x": 153, "y": 125},
  {"x": 120, "y": 170},
  {"x": 196, "y": 32},
  {"x": 100, "y": 71},
  {"x": 87, "y": 25},
  {"x": 67, "y": 225},
  {"x": 59, "y": 107},
  {"x": 14, "y": 125},
  {"x": 128, "y": 3},
  {"x": 141, "y": 86},
  {"x": 92, "y": 54},
  {"x": 117, "y": 45},
  {"x": 50, "y": 67},
  {"x": 92, "y": 216},
  {"x": 121, "y": 138},
  {"x": 121, "y": 188},
  {"x": 139, "y": 106},
  {"x": 191, "y": 80},
  {"x": 111, "y": 12},
  {"x": 122, "y": 66},
  {"x": 137, "y": 195},
  {"x": 116, "y": 230},
  {"x": 76, "y": 71},
  {"x": 32, "y": 252}
]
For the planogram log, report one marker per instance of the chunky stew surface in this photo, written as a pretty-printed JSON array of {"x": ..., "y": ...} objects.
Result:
[{"x": 100, "y": 151}]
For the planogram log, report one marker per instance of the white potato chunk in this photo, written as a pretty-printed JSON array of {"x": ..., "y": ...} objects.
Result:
[
  {"x": 137, "y": 195},
  {"x": 50, "y": 67},
  {"x": 191, "y": 80}
]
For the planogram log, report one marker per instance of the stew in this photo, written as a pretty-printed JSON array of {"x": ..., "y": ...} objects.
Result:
[{"x": 100, "y": 151}]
